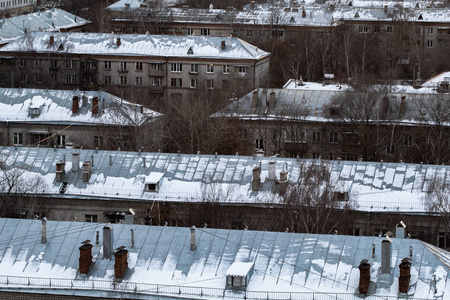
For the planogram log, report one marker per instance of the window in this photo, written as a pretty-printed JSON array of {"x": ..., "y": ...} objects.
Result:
[
  {"x": 332, "y": 156},
  {"x": 71, "y": 64},
  {"x": 429, "y": 44},
  {"x": 193, "y": 83},
  {"x": 151, "y": 187},
  {"x": 176, "y": 82},
  {"x": 122, "y": 66},
  {"x": 138, "y": 81},
  {"x": 17, "y": 139},
  {"x": 241, "y": 69},
  {"x": 278, "y": 33},
  {"x": 226, "y": 69},
  {"x": 210, "y": 83},
  {"x": 388, "y": 56},
  {"x": 176, "y": 67},
  {"x": 407, "y": 140},
  {"x": 38, "y": 77},
  {"x": 194, "y": 68},
  {"x": 340, "y": 196},
  {"x": 107, "y": 65},
  {"x": 22, "y": 62},
  {"x": 376, "y": 29},
  {"x": 71, "y": 79},
  {"x": 390, "y": 149},
  {"x": 292, "y": 43},
  {"x": 156, "y": 81},
  {"x": 259, "y": 144},
  {"x": 263, "y": 33},
  {"x": 91, "y": 65},
  {"x": 156, "y": 66},
  {"x": 418, "y": 30},
  {"x": 190, "y": 31},
  {"x": 138, "y": 66},
  {"x": 316, "y": 137},
  {"x": 60, "y": 140},
  {"x": 333, "y": 137},
  {"x": 389, "y": 29},
  {"x": 53, "y": 63},
  {"x": 295, "y": 136},
  {"x": 363, "y": 29},
  {"x": 249, "y": 33},
  {"x": 38, "y": 63},
  {"x": 204, "y": 31},
  {"x": 210, "y": 68},
  {"x": 98, "y": 141},
  {"x": 123, "y": 80},
  {"x": 91, "y": 218},
  {"x": 430, "y": 30},
  {"x": 108, "y": 79},
  {"x": 316, "y": 156}
]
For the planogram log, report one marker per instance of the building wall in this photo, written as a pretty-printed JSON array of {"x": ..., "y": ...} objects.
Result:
[{"x": 10, "y": 7}]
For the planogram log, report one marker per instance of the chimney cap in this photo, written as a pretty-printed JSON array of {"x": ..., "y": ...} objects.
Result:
[{"x": 108, "y": 226}]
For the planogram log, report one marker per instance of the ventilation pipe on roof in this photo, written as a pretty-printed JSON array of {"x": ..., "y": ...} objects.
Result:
[
  {"x": 120, "y": 261},
  {"x": 385, "y": 257},
  {"x": 75, "y": 162},
  {"x": 108, "y": 238},
  {"x": 364, "y": 276},
  {"x": 44, "y": 231},
  {"x": 75, "y": 104},
  {"x": 400, "y": 230},
  {"x": 256, "y": 178},
  {"x": 193, "y": 246},
  {"x": 271, "y": 103},
  {"x": 405, "y": 275},
  {"x": 143, "y": 162},
  {"x": 85, "y": 260},
  {"x": 283, "y": 180},
  {"x": 110, "y": 160},
  {"x": 60, "y": 171},
  {"x": 87, "y": 171},
  {"x": 272, "y": 170},
  {"x": 255, "y": 99},
  {"x": 132, "y": 238}
]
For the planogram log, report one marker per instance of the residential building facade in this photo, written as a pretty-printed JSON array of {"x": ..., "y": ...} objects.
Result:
[{"x": 14, "y": 7}]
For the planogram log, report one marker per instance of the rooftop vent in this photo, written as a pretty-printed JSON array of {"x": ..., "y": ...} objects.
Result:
[
  {"x": 87, "y": 171},
  {"x": 386, "y": 256},
  {"x": 44, "y": 231},
  {"x": 75, "y": 162},
  {"x": 256, "y": 178},
  {"x": 108, "y": 240},
  {"x": 192, "y": 245},
  {"x": 190, "y": 51},
  {"x": 255, "y": 98},
  {"x": 238, "y": 275},
  {"x": 60, "y": 171},
  {"x": 272, "y": 170},
  {"x": 400, "y": 230},
  {"x": 153, "y": 182}
]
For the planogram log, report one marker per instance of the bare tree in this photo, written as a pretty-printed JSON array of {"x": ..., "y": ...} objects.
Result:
[
  {"x": 437, "y": 199},
  {"x": 317, "y": 203}
]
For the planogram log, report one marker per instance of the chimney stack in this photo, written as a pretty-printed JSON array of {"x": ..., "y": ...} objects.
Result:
[
  {"x": 256, "y": 178},
  {"x": 400, "y": 230},
  {"x": 385, "y": 257},
  {"x": 85, "y": 259},
  {"x": 222, "y": 45},
  {"x": 303, "y": 13},
  {"x": 364, "y": 276},
  {"x": 255, "y": 99},
  {"x": 283, "y": 181},
  {"x": 75, "y": 162},
  {"x": 120, "y": 261},
  {"x": 52, "y": 39},
  {"x": 95, "y": 105},
  {"x": 119, "y": 42},
  {"x": 60, "y": 171},
  {"x": 192, "y": 246},
  {"x": 87, "y": 171},
  {"x": 75, "y": 104},
  {"x": 405, "y": 275},
  {"x": 272, "y": 100},
  {"x": 272, "y": 170},
  {"x": 44, "y": 231},
  {"x": 108, "y": 240}
]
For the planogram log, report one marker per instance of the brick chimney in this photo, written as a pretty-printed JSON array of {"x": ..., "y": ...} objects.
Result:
[
  {"x": 60, "y": 171},
  {"x": 256, "y": 178},
  {"x": 87, "y": 171},
  {"x": 85, "y": 259},
  {"x": 95, "y": 105},
  {"x": 405, "y": 275},
  {"x": 75, "y": 104},
  {"x": 119, "y": 42},
  {"x": 120, "y": 262},
  {"x": 283, "y": 183},
  {"x": 303, "y": 13},
  {"x": 52, "y": 39},
  {"x": 222, "y": 45},
  {"x": 364, "y": 276},
  {"x": 255, "y": 99}
]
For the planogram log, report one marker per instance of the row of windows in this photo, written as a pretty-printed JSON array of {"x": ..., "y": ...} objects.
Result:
[
  {"x": 60, "y": 140},
  {"x": 13, "y": 3},
  {"x": 226, "y": 69},
  {"x": 389, "y": 29}
]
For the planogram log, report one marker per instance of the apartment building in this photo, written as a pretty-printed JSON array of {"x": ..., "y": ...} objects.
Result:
[
  {"x": 312, "y": 120},
  {"x": 162, "y": 66},
  {"x": 15, "y": 7}
]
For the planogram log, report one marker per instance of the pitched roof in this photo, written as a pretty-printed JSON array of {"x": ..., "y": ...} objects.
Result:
[
  {"x": 293, "y": 265},
  {"x": 55, "y": 106},
  {"x": 137, "y": 45},
  {"x": 54, "y": 19},
  {"x": 121, "y": 175}
]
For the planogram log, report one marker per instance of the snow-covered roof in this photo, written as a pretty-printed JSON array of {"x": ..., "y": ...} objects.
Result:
[
  {"x": 133, "y": 4},
  {"x": 434, "y": 81},
  {"x": 121, "y": 175},
  {"x": 55, "y": 106},
  {"x": 315, "y": 16},
  {"x": 286, "y": 265},
  {"x": 154, "y": 177},
  {"x": 239, "y": 268},
  {"x": 137, "y": 45},
  {"x": 54, "y": 19}
]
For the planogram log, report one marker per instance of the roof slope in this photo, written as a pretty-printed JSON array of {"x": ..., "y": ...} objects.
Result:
[
  {"x": 55, "y": 106},
  {"x": 120, "y": 174},
  {"x": 137, "y": 45},
  {"x": 283, "y": 262},
  {"x": 50, "y": 20}
]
